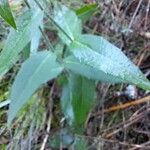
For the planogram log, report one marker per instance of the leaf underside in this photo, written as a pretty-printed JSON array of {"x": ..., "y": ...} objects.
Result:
[{"x": 35, "y": 71}]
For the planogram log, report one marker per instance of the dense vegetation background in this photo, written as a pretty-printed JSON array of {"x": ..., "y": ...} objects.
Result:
[{"x": 120, "y": 117}]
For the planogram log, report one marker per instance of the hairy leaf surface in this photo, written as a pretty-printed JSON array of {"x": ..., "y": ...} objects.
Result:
[
  {"x": 69, "y": 22},
  {"x": 18, "y": 39},
  {"x": 102, "y": 61}
]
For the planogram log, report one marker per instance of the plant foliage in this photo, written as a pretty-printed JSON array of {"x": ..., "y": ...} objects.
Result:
[
  {"x": 88, "y": 59},
  {"x": 28, "y": 24},
  {"x": 6, "y": 14},
  {"x": 41, "y": 67}
]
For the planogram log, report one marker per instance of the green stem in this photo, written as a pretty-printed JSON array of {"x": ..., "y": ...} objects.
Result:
[
  {"x": 47, "y": 40},
  {"x": 52, "y": 20}
]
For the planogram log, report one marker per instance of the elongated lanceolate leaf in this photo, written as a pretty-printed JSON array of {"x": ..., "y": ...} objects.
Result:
[
  {"x": 69, "y": 22},
  {"x": 6, "y": 14},
  {"x": 27, "y": 26},
  {"x": 77, "y": 100},
  {"x": 109, "y": 50},
  {"x": 38, "y": 69},
  {"x": 35, "y": 42},
  {"x": 37, "y": 35},
  {"x": 105, "y": 62},
  {"x": 85, "y": 12},
  {"x": 105, "y": 48}
]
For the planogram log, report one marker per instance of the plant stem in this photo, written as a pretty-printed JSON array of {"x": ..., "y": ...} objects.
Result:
[
  {"x": 52, "y": 20},
  {"x": 47, "y": 40},
  {"x": 28, "y": 5},
  {"x": 42, "y": 32}
]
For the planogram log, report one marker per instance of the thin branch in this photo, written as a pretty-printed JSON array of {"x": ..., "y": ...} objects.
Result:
[
  {"x": 42, "y": 32},
  {"x": 52, "y": 20},
  {"x": 50, "y": 105},
  {"x": 146, "y": 16},
  {"x": 123, "y": 106},
  {"x": 4, "y": 103},
  {"x": 46, "y": 40},
  {"x": 136, "y": 10}
]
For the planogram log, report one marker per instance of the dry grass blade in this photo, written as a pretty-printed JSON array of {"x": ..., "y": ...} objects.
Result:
[
  {"x": 123, "y": 106},
  {"x": 50, "y": 106},
  {"x": 129, "y": 123},
  {"x": 136, "y": 10}
]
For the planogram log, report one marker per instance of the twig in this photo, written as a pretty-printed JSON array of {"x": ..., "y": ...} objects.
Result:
[
  {"x": 46, "y": 40},
  {"x": 4, "y": 103},
  {"x": 102, "y": 104},
  {"x": 52, "y": 20},
  {"x": 140, "y": 56},
  {"x": 99, "y": 139},
  {"x": 132, "y": 19},
  {"x": 47, "y": 135},
  {"x": 49, "y": 118},
  {"x": 142, "y": 146},
  {"x": 146, "y": 16},
  {"x": 125, "y": 125},
  {"x": 123, "y": 106},
  {"x": 126, "y": 122},
  {"x": 127, "y": 144},
  {"x": 42, "y": 32}
]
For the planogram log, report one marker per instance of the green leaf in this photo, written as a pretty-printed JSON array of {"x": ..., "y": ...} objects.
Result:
[
  {"x": 37, "y": 35},
  {"x": 17, "y": 40},
  {"x": 69, "y": 22},
  {"x": 26, "y": 51},
  {"x": 38, "y": 69},
  {"x": 6, "y": 14},
  {"x": 96, "y": 58},
  {"x": 85, "y": 12},
  {"x": 77, "y": 100},
  {"x": 105, "y": 48},
  {"x": 35, "y": 41}
]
